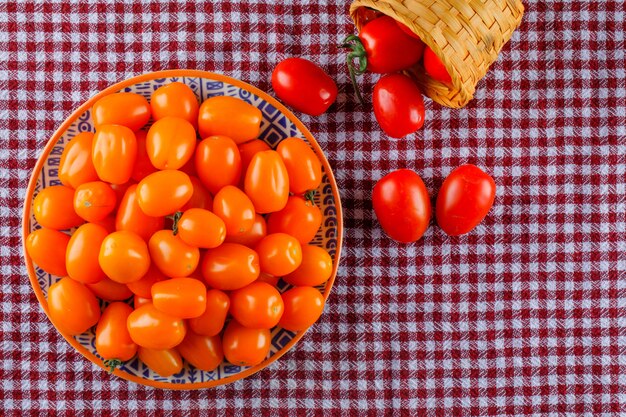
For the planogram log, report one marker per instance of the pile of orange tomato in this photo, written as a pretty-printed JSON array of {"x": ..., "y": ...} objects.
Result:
[{"x": 197, "y": 231}]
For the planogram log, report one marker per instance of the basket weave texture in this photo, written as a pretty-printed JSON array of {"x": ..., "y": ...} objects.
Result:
[{"x": 466, "y": 35}]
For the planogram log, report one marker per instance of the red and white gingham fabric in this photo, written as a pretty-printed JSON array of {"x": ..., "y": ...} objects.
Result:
[{"x": 524, "y": 316}]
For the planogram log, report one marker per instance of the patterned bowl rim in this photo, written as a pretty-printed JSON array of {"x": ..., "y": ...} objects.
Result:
[{"x": 86, "y": 106}]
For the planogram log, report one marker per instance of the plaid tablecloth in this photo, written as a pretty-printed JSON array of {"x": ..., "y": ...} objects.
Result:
[{"x": 524, "y": 316}]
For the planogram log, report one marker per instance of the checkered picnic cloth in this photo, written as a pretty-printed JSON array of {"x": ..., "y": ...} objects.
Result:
[{"x": 526, "y": 315}]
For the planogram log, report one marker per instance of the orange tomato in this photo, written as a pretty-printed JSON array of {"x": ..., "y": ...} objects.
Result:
[
  {"x": 267, "y": 182},
  {"x": 303, "y": 166},
  {"x": 131, "y": 218},
  {"x": 47, "y": 247},
  {"x": 247, "y": 151},
  {"x": 315, "y": 269},
  {"x": 203, "y": 352},
  {"x": 252, "y": 236},
  {"x": 201, "y": 228},
  {"x": 170, "y": 142},
  {"x": 140, "y": 301},
  {"x": 190, "y": 167},
  {"x": 110, "y": 290},
  {"x": 245, "y": 347},
  {"x": 153, "y": 329},
  {"x": 76, "y": 167},
  {"x": 124, "y": 257},
  {"x": 142, "y": 167},
  {"x": 236, "y": 210},
  {"x": 120, "y": 191},
  {"x": 164, "y": 192},
  {"x": 229, "y": 116},
  {"x": 270, "y": 279},
  {"x": 72, "y": 307},
  {"x": 303, "y": 307},
  {"x": 230, "y": 266},
  {"x": 176, "y": 100},
  {"x": 211, "y": 322},
  {"x": 218, "y": 162},
  {"x": 165, "y": 362},
  {"x": 300, "y": 218},
  {"x": 93, "y": 201},
  {"x": 108, "y": 223},
  {"x": 200, "y": 198},
  {"x": 171, "y": 255},
  {"x": 81, "y": 256},
  {"x": 143, "y": 287},
  {"x": 257, "y": 305},
  {"x": 126, "y": 109},
  {"x": 180, "y": 297},
  {"x": 53, "y": 208},
  {"x": 113, "y": 342},
  {"x": 113, "y": 153},
  {"x": 279, "y": 254}
]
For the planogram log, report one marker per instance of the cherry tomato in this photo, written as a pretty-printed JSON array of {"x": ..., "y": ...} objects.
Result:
[
  {"x": 230, "y": 266},
  {"x": 267, "y": 278},
  {"x": 170, "y": 142},
  {"x": 279, "y": 254},
  {"x": 247, "y": 151},
  {"x": 153, "y": 329},
  {"x": 180, "y": 297},
  {"x": 201, "y": 228},
  {"x": 304, "y": 86},
  {"x": 229, "y": 116},
  {"x": 165, "y": 362},
  {"x": 435, "y": 68},
  {"x": 245, "y": 347},
  {"x": 171, "y": 255},
  {"x": 398, "y": 105},
  {"x": 257, "y": 305},
  {"x": 176, "y": 100},
  {"x": 465, "y": 198},
  {"x": 53, "y": 208},
  {"x": 211, "y": 322},
  {"x": 143, "y": 287},
  {"x": 315, "y": 269},
  {"x": 47, "y": 247},
  {"x": 253, "y": 236},
  {"x": 164, "y": 192},
  {"x": 113, "y": 342},
  {"x": 402, "y": 205},
  {"x": 218, "y": 162},
  {"x": 303, "y": 166},
  {"x": 300, "y": 218},
  {"x": 76, "y": 166},
  {"x": 303, "y": 307},
  {"x": 81, "y": 257},
  {"x": 131, "y": 218},
  {"x": 127, "y": 109},
  {"x": 408, "y": 31},
  {"x": 93, "y": 201},
  {"x": 113, "y": 153},
  {"x": 72, "y": 307},
  {"x": 203, "y": 352},
  {"x": 110, "y": 290},
  {"x": 200, "y": 198},
  {"x": 140, "y": 301},
  {"x": 142, "y": 167},
  {"x": 267, "y": 182},
  {"x": 124, "y": 257},
  {"x": 236, "y": 210}
]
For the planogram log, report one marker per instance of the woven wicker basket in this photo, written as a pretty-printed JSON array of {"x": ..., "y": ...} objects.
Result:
[{"x": 466, "y": 35}]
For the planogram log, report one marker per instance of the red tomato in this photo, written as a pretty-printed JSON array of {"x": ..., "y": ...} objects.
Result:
[
  {"x": 72, "y": 307},
  {"x": 315, "y": 269},
  {"x": 465, "y": 198},
  {"x": 407, "y": 30},
  {"x": 130, "y": 217},
  {"x": 267, "y": 182},
  {"x": 164, "y": 192},
  {"x": 140, "y": 301},
  {"x": 142, "y": 167},
  {"x": 203, "y": 352},
  {"x": 180, "y": 297},
  {"x": 153, "y": 329},
  {"x": 303, "y": 166},
  {"x": 47, "y": 247},
  {"x": 81, "y": 257},
  {"x": 113, "y": 153},
  {"x": 124, "y": 257},
  {"x": 171, "y": 255},
  {"x": 113, "y": 342},
  {"x": 54, "y": 208},
  {"x": 211, "y": 322},
  {"x": 176, "y": 100},
  {"x": 170, "y": 142},
  {"x": 110, "y": 290},
  {"x": 279, "y": 254},
  {"x": 245, "y": 347},
  {"x": 127, "y": 109},
  {"x": 76, "y": 166},
  {"x": 200, "y": 198},
  {"x": 230, "y": 266},
  {"x": 303, "y": 307},
  {"x": 235, "y": 209},
  {"x": 229, "y": 116},
  {"x": 367, "y": 14},
  {"x": 143, "y": 287},
  {"x": 398, "y": 105},
  {"x": 304, "y": 86},
  {"x": 253, "y": 236},
  {"x": 93, "y": 201},
  {"x": 247, "y": 151},
  {"x": 257, "y": 305},
  {"x": 402, "y": 205},
  {"x": 435, "y": 68},
  {"x": 218, "y": 162},
  {"x": 300, "y": 218},
  {"x": 165, "y": 362},
  {"x": 201, "y": 228}
]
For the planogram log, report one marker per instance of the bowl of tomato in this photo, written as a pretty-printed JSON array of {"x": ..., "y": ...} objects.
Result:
[{"x": 182, "y": 229}]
